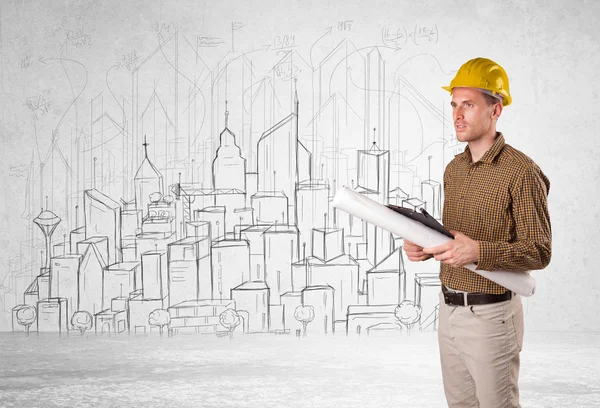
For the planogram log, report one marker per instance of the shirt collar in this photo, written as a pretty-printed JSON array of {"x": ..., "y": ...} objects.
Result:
[{"x": 490, "y": 154}]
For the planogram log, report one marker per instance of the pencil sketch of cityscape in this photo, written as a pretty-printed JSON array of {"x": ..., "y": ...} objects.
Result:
[{"x": 189, "y": 191}]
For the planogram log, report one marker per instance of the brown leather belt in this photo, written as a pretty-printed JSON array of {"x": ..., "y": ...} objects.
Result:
[{"x": 473, "y": 298}]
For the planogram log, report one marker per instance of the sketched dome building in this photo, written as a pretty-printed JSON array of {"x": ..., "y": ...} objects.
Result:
[{"x": 147, "y": 180}]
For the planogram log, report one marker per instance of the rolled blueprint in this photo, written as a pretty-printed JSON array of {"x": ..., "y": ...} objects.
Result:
[{"x": 377, "y": 214}]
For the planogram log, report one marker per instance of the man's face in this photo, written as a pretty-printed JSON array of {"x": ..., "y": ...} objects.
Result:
[{"x": 473, "y": 117}]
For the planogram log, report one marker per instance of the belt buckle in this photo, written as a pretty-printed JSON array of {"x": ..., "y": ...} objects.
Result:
[{"x": 453, "y": 293}]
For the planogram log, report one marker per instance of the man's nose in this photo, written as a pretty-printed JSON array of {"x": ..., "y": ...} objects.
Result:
[{"x": 458, "y": 113}]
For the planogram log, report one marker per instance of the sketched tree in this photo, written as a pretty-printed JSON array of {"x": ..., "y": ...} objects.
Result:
[
  {"x": 407, "y": 314},
  {"x": 26, "y": 315},
  {"x": 159, "y": 318},
  {"x": 230, "y": 319},
  {"x": 304, "y": 314},
  {"x": 155, "y": 197},
  {"x": 168, "y": 199},
  {"x": 82, "y": 321}
]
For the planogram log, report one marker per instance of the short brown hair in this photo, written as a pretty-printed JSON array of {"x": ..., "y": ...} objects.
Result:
[{"x": 490, "y": 100}]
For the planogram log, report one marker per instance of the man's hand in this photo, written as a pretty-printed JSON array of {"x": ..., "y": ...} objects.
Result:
[
  {"x": 461, "y": 251},
  {"x": 414, "y": 252}
]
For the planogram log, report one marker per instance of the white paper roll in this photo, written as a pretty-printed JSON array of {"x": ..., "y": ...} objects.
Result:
[{"x": 377, "y": 214}]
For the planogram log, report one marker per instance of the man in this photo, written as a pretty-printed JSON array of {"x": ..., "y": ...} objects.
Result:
[{"x": 495, "y": 205}]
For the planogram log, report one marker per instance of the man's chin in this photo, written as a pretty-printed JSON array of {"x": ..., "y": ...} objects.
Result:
[{"x": 462, "y": 137}]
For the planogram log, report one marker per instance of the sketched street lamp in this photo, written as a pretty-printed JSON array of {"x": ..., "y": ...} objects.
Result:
[
  {"x": 407, "y": 314},
  {"x": 26, "y": 315},
  {"x": 304, "y": 314},
  {"x": 220, "y": 285},
  {"x": 230, "y": 319},
  {"x": 47, "y": 221},
  {"x": 159, "y": 318},
  {"x": 82, "y": 321}
]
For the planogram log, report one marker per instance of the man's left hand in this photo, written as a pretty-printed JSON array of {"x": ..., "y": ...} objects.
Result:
[{"x": 461, "y": 251}]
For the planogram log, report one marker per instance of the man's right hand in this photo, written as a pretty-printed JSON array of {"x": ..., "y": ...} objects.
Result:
[{"x": 414, "y": 252}]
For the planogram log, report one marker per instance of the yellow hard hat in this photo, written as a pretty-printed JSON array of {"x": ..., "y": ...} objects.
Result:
[{"x": 482, "y": 73}]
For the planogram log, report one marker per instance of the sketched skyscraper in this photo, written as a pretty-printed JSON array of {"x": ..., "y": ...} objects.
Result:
[
  {"x": 47, "y": 221},
  {"x": 103, "y": 219},
  {"x": 229, "y": 167},
  {"x": 278, "y": 159},
  {"x": 229, "y": 177},
  {"x": 147, "y": 180},
  {"x": 373, "y": 176}
]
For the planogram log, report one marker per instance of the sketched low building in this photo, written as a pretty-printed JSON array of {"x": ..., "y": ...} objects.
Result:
[
  {"x": 313, "y": 205},
  {"x": 39, "y": 289},
  {"x": 231, "y": 266},
  {"x": 321, "y": 298},
  {"x": 281, "y": 250},
  {"x": 341, "y": 274},
  {"x": 198, "y": 316},
  {"x": 189, "y": 270},
  {"x": 291, "y": 301},
  {"x": 119, "y": 280},
  {"x": 140, "y": 310},
  {"x": 270, "y": 207},
  {"x": 115, "y": 319},
  {"x": 160, "y": 218},
  {"x": 52, "y": 315},
  {"x": 154, "y": 275},
  {"x": 361, "y": 319},
  {"x": 134, "y": 246},
  {"x": 90, "y": 279},
  {"x": 253, "y": 298},
  {"x": 386, "y": 282},
  {"x": 254, "y": 236},
  {"x": 64, "y": 280}
]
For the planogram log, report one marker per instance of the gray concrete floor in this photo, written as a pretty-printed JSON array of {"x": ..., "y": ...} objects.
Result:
[{"x": 558, "y": 370}]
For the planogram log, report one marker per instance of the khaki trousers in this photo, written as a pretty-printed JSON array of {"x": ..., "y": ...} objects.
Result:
[{"x": 479, "y": 352}]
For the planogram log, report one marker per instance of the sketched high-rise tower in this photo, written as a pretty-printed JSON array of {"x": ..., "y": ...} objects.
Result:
[
  {"x": 373, "y": 180},
  {"x": 229, "y": 167},
  {"x": 47, "y": 221},
  {"x": 278, "y": 159},
  {"x": 147, "y": 180}
]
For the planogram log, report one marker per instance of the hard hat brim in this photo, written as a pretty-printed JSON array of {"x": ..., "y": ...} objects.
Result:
[{"x": 505, "y": 102}]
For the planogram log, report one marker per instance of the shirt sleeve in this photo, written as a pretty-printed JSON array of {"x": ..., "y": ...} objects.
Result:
[{"x": 531, "y": 248}]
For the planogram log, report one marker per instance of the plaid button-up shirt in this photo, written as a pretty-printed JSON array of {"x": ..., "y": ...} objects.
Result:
[{"x": 500, "y": 201}]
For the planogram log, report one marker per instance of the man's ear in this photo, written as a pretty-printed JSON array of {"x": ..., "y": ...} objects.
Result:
[{"x": 497, "y": 110}]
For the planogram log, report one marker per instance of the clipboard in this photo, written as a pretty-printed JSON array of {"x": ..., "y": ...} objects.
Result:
[{"x": 423, "y": 217}]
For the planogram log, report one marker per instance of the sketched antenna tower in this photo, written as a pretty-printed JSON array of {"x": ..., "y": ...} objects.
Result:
[
  {"x": 47, "y": 221},
  {"x": 429, "y": 175}
]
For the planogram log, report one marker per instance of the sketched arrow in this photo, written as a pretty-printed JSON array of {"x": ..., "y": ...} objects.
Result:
[
  {"x": 108, "y": 86},
  {"x": 327, "y": 32},
  {"x": 74, "y": 99},
  {"x": 222, "y": 70}
]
